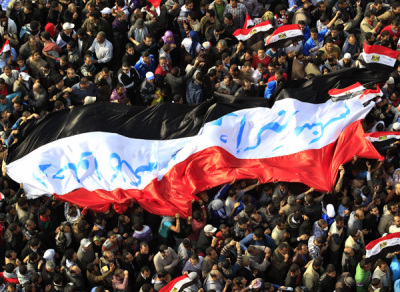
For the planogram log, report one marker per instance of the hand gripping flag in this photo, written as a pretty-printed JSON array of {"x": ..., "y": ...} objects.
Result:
[{"x": 101, "y": 154}]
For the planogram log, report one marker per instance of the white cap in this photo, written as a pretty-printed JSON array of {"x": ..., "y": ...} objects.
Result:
[
  {"x": 49, "y": 254},
  {"x": 106, "y": 11},
  {"x": 68, "y": 25},
  {"x": 210, "y": 229},
  {"x": 24, "y": 76},
  {"x": 89, "y": 99},
  {"x": 390, "y": 80},
  {"x": 396, "y": 126},
  {"x": 192, "y": 275},
  {"x": 347, "y": 56},
  {"x": 149, "y": 75},
  {"x": 206, "y": 45},
  {"x": 85, "y": 242}
]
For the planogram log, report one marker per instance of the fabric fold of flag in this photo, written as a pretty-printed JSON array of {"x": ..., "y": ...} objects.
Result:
[
  {"x": 383, "y": 140},
  {"x": 245, "y": 33},
  {"x": 156, "y": 4},
  {"x": 6, "y": 47},
  {"x": 378, "y": 58},
  {"x": 284, "y": 36},
  {"x": 161, "y": 157}
]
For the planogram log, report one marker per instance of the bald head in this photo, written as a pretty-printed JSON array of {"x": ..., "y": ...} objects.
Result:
[{"x": 37, "y": 87}]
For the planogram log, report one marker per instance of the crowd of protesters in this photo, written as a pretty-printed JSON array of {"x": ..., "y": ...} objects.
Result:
[{"x": 241, "y": 236}]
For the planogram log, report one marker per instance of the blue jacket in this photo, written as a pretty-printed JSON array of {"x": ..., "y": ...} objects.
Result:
[
  {"x": 143, "y": 68},
  {"x": 311, "y": 44},
  {"x": 248, "y": 240},
  {"x": 395, "y": 269},
  {"x": 194, "y": 92},
  {"x": 306, "y": 33}
]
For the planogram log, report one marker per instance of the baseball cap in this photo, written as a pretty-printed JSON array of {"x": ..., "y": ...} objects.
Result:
[
  {"x": 24, "y": 76},
  {"x": 85, "y": 242},
  {"x": 396, "y": 126},
  {"x": 390, "y": 80},
  {"x": 206, "y": 45},
  {"x": 106, "y": 11},
  {"x": 347, "y": 56},
  {"x": 149, "y": 75},
  {"x": 68, "y": 25},
  {"x": 96, "y": 238},
  {"x": 210, "y": 229}
]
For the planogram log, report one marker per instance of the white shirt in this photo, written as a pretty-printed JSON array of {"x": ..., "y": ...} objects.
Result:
[{"x": 103, "y": 51}]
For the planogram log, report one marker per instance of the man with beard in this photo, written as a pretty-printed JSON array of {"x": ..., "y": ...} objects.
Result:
[{"x": 346, "y": 62}]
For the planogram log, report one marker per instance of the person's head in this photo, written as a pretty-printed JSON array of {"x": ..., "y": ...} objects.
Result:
[
  {"x": 228, "y": 19},
  {"x": 320, "y": 241},
  {"x": 194, "y": 259},
  {"x": 314, "y": 33},
  {"x": 148, "y": 40},
  {"x": 240, "y": 281},
  {"x": 84, "y": 83},
  {"x": 261, "y": 67},
  {"x": 146, "y": 57},
  {"x": 283, "y": 248},
  {"x": 94, "y": 17},
  {"x": 101, "y": 37},
  {"x": 210, "y": 15},
  {"x": 331, "y": 271},
  {"x": 329, "y": 45},
  {"x": 396, "y": 8},
  {"x": 280, "y": 224},
  {"x": 261, "y": 53},
  {"x": 189, "y": 4},
  {"x": 359, "y": 214},
  {"x": 382, "y": 265},
  {"x": 233, "y": 3},
  {"x": 279, "y": 75},
  {"x": 199, "y": 77},
  {"x": 247, "y": 84},
  {"x": 317, "y": 263},
  {"x": 228, "y": 79},
  {"x": 364, "y": 265},
  {"x": 163, "y": 63}
]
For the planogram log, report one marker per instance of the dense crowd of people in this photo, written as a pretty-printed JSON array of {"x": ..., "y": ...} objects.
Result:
[{"x": 242, "y": 236}]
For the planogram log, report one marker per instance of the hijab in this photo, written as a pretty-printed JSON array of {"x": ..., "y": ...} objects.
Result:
[
  {"x": 195, "y": 41},
  {"x": 167, "y": 34}
]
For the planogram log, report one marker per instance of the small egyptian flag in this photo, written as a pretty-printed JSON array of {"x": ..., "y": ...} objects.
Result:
[
  {"x": 378, "y": 58},
  {"x": 284, "y": 36}
]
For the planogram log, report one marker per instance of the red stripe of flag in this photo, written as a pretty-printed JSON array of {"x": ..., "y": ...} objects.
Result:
[
  {"x": 336, "y": 91},
  {"x": 380, "y": 50}
]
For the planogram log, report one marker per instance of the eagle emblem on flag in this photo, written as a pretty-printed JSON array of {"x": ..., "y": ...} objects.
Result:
[
  {"x": 382, "y": 244},
  {"x": 282, "y": 35},
  {"x": 375, "y": 58},
  {"x": 381, "y": 138},
  {"x": 253, "y": 31}
]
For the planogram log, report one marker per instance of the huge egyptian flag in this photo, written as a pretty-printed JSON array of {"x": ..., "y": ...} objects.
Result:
[
  {"x": 284, "y": 36},
  {"x": 162, "y": 156},
  {"x": 379, "y": 248},
  {"x": 378, "y": 58}
]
